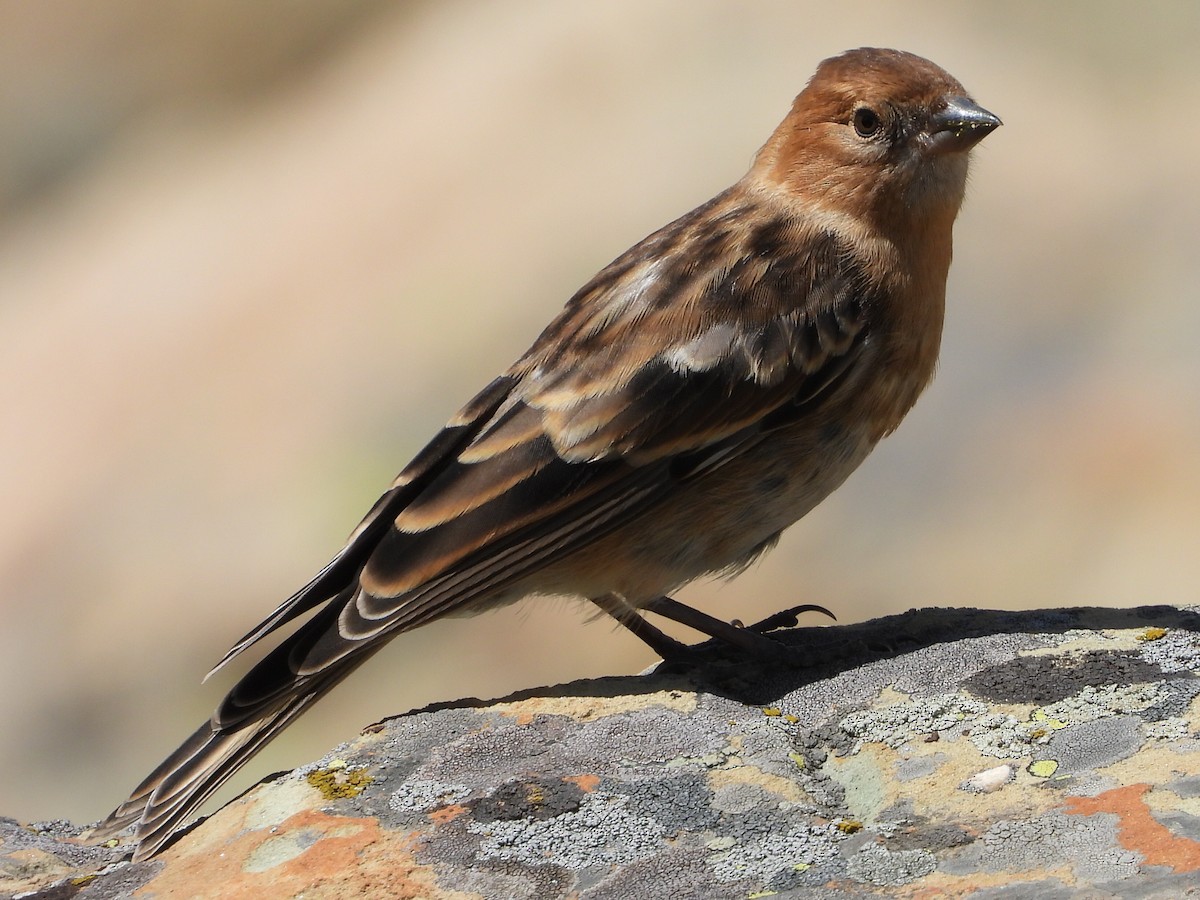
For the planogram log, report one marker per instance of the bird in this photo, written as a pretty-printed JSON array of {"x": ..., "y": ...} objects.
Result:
[{"x": 697, "y": 396}]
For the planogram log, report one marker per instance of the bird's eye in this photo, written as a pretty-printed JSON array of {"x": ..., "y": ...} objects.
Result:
[{"x": 867, "y": 122}]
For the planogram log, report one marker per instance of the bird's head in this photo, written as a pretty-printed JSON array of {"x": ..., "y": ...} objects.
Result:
[{"x": 876, "y": 134}]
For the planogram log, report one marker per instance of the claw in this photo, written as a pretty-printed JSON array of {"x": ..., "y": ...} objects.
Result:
[{"x": 788, "y": 618}]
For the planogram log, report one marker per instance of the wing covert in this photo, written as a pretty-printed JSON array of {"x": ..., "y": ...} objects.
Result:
[{"x": 600, "y": 421}]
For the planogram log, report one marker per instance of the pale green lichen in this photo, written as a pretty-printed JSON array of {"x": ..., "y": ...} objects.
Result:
[{"x": 1043, "y": 768}]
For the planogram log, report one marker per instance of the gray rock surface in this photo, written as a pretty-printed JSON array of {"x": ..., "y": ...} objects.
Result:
[{"x": 956, "y": 752}]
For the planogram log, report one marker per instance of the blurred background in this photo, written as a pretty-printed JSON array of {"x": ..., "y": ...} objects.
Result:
[{"x": 252, "y": 255}]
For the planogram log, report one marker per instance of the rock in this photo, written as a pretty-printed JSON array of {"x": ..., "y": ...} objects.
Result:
[{"x": 733, "y": 779}]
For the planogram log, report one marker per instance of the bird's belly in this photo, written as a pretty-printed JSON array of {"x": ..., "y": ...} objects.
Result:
[{"x": 717, "y": 522}]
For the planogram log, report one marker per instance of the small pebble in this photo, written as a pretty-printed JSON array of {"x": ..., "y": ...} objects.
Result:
[{"x": 990, "y": 779}]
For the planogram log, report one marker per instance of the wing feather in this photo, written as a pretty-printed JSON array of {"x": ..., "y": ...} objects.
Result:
[
  {"x": 591, "y": 429},
  {"x": 345, "y": 566},
  {"x": 684, "y": 352}
]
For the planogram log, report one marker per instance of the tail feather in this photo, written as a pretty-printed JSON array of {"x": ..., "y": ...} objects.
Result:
[
  {"x": 281, "y": 686},
  {"x": 161, "y": 804}
]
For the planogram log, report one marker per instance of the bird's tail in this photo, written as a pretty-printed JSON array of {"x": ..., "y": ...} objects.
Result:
[
  {"x": 172, "y": 792},
  {"x": 307, "y": 663}
]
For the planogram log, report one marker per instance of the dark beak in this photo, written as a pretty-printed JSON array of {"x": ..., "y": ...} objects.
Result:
[{"x": 958, "y": 126}]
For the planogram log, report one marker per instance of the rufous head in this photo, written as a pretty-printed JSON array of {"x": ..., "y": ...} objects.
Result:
[{"x": 877, "y": 133}]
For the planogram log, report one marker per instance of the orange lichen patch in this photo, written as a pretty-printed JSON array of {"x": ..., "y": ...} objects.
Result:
[
  {"x": 447, "y": 813},
  {"x": 21, "y": 870},
  {"x": 942, "y": 886},
  {"x": 784, "y": 788},
  {"x": 310, "y": 853},
  {"x": 1138, "y": 830},
  {"x": 586, "y": 783}
]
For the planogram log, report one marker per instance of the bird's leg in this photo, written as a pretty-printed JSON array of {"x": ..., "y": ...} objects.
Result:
[
  {"x": 659, "y": 641},
  {"x": 752, "y": 639},
  {"x": 748, "y": 639}
]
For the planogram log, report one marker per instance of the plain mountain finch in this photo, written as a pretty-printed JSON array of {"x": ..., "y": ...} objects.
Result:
[{"x": 704, "y": 391}]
